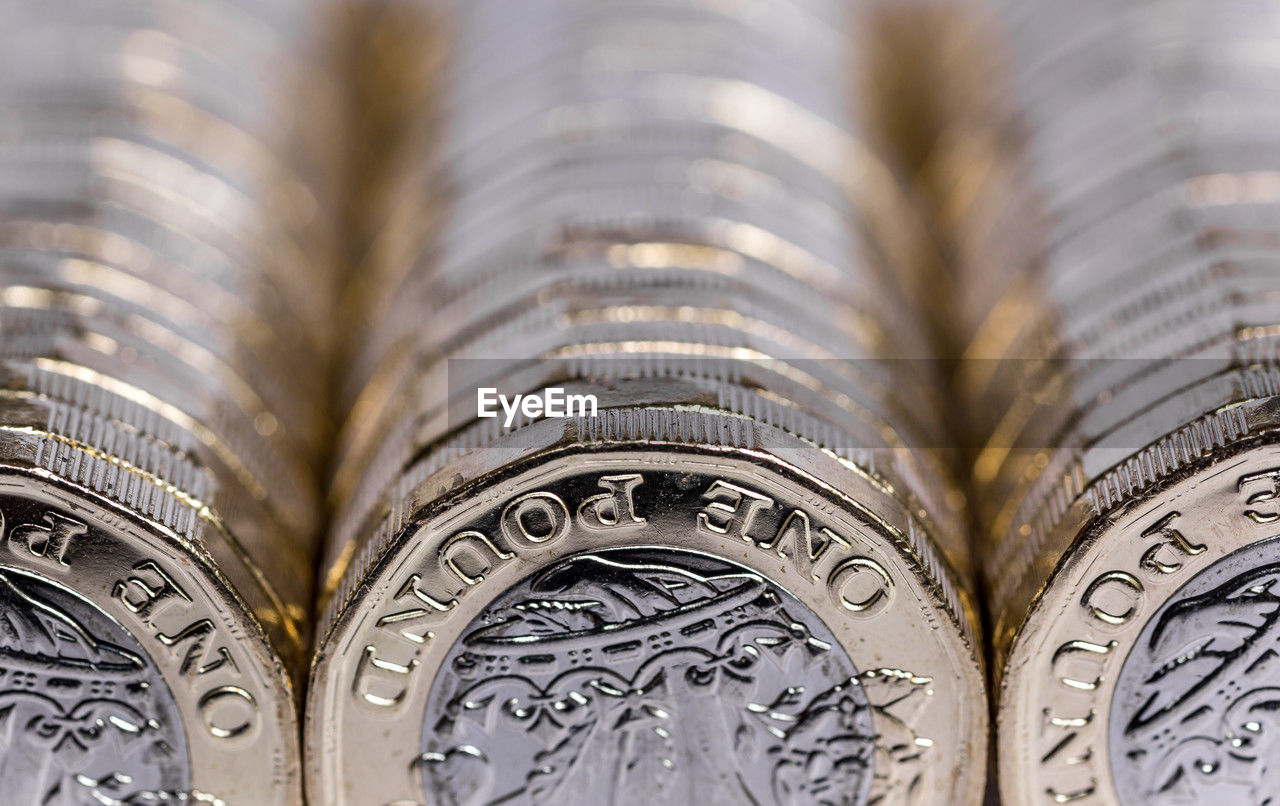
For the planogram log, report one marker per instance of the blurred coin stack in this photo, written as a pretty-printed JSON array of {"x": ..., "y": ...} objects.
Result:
[
  {"x": 735, "y": 571},
  {"x": 1124, "y": 387},
  {"x": 165, "y": 316}
]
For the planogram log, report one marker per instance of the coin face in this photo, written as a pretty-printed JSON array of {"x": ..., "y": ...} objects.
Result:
[
  {"x": 1196, "y": 713},
  {"x": 84, "y": 713},
  {"x": 126, "y": 675},
  {"x": 606, "y": 675},
  {"x": 645, "y": 626},
  {"x": 1146, "y": 672}
]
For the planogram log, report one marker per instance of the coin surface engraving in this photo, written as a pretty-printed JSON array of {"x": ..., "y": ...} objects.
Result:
[
  {"x": 1196, "y": 711},
  {"x": 648, "y": 675},
  {"x": 85, "y": 716}
]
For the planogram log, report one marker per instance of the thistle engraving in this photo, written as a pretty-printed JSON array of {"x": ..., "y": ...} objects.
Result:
[
  {"x": 653, "y": 676},
  {"x": 1196, "y": 715},
  {"x": 85, "y": 718}
]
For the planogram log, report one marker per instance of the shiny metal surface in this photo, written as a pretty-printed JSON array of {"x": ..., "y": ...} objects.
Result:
[
  {"x": 1106, "y": 201},
  {"x": 166, "y": 285},
  {"x": 88, "y": 714},
  {"x": 580, "y": 664},
  {"x": 671, "y": 207},
  {"x": 1203, "y": 663}
]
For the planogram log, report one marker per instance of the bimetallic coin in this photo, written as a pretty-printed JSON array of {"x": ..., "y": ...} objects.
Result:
[
  {"x": 1126, "y": 426},
  {"x": 165, "y": 312},
  {"x": 1144, "y": 674},
  {"x": 740, "y": 576},
  {"x": 128, "y": 673},
  {"x": 718, "y": 621}
]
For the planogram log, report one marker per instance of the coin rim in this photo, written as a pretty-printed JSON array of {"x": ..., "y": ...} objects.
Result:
[
  {"x": 1027, "y": 690},
  {"x": 263, "y": 767}
]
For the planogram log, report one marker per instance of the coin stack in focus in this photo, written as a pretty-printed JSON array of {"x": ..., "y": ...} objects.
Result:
[
  {"x": 165, "y": 301},
  {"x": 740, "y": 578},
  {"x": 1125, "y": 384}
]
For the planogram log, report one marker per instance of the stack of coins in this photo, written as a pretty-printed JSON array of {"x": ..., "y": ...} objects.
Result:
[
  {"x": 1125, "y": 384},
  {"x": 164, "y": 310},
  {"x": 715, "y": 559}
]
